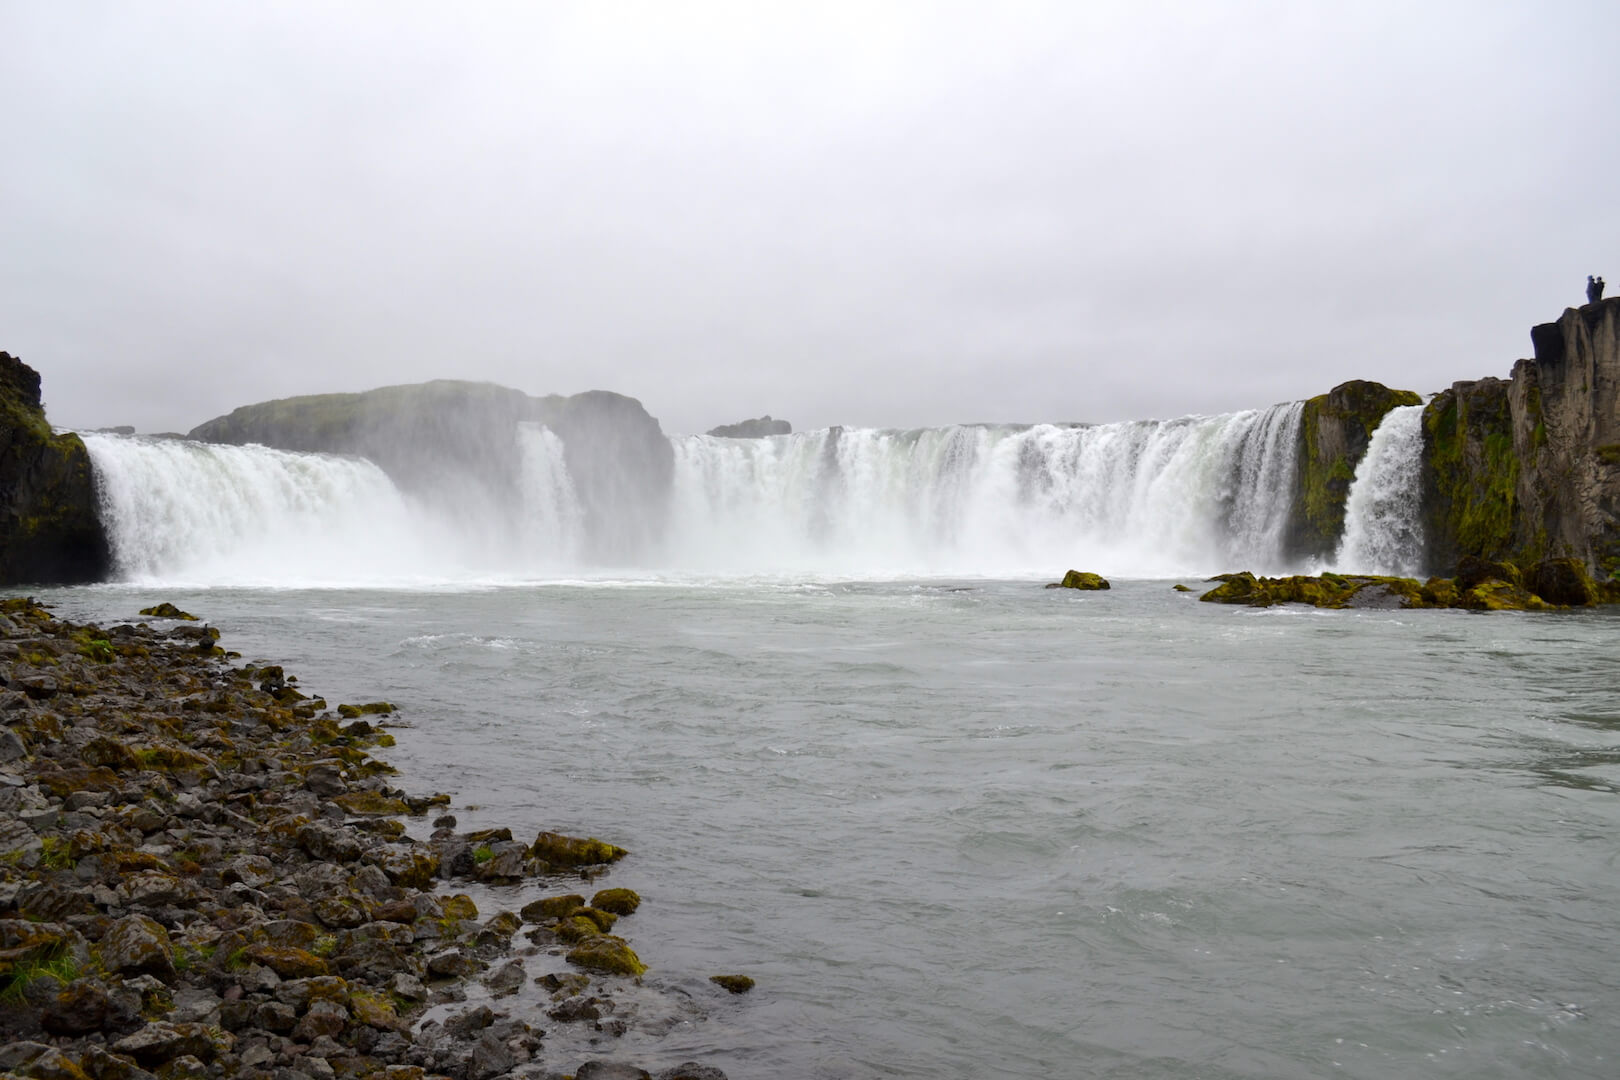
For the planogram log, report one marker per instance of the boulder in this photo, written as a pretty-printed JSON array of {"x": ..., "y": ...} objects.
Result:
[
  {"x": 137, "y": 944},
  {"x": 1078, "y": 579}
]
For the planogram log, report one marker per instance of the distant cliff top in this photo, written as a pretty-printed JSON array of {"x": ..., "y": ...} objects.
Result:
[{"x": 757, "y": 428}]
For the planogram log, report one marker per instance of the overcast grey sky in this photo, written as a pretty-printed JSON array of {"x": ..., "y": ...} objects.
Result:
[{"x": 863, "y": 213}]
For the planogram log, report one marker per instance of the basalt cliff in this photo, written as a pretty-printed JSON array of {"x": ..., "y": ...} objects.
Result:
[{"x": 49, "y": 529}]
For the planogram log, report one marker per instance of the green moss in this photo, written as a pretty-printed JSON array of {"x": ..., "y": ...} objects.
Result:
[
  {"x": 55, "y": 853},
  {"x": 1476, "y": 474},
  {"x": 1610, "y": 454},
  {"x": 482, "y": 854}
]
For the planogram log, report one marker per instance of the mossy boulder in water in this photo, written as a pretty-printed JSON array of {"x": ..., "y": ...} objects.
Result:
[
  {"x": 606, "y": 953},
  {"x": 618, "y": 901},
  {"x": 734, "y": 984},
  {"x": 566, "y": 852},
  {"x": 1079, "y": 579},
  {"x": 167, "y": 610}
]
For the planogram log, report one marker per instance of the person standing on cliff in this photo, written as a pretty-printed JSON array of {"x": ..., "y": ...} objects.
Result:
[{"x": 1594, "y": 289}]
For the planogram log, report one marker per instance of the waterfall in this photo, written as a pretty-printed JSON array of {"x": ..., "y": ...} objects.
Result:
[
  {"x": 1149, "y": 498},
  {"x": 1383, "y": 524},
  {"x": 1152, "y": 498},
  {"x": 207, "y": 514}
]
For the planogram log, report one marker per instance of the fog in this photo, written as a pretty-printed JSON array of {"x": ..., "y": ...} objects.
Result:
[{"x": 867, "y": 214}]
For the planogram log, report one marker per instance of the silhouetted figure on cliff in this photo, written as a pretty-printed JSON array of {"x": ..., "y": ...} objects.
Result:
[{"x": 1594, "y": 289}]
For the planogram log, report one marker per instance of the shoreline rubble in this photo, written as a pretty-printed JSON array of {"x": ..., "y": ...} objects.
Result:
[{"x": 204, "y": 874}]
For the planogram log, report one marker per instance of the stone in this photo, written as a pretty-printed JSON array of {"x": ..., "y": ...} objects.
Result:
[
  {"x": 322, "y": 1018},
  {"x": 758, "y": 428},
  {"x": 733, "y": 984},
  {"x": 618, "y": 901},
  {"x": 81, "y": 1007},
  {"x": 506, "y": 979},
  {"x": 289, "y": 963},
  {"x": 567, "y": 852},
  {"x": 137, "y": 944},
  {"x": 463, "y": 1025},
  {"x": 555, "y": 907},
  {"x": 692, "y": 1070},
  {"x": 1076, "y": 579},
  {"x": 610, "y": 1070},
  {"x": 490, "y": 1058},
  {"x": 608, "y": 954},
  {"x": 160, "y": 1041}
]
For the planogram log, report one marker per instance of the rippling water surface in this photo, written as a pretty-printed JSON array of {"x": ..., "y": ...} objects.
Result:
[{"x": 982, "y": 829}]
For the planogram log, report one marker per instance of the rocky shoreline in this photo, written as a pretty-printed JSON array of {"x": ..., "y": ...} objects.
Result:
[{"x": 206, "y": 873}]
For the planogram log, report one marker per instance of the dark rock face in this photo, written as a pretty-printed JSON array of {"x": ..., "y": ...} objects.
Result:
[
  {"x": 459, "y": 442},
  {"x": 49, "y": 529},
  {"x": 1334, "y": 432},
  {"x": 1528, "y": 468},
  {"x": 757, "y": 428}
]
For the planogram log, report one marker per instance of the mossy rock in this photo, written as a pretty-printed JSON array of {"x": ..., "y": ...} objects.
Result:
[
  {"x": 459, "y": 907},
  {"x": 1180, "y": 587},
  {"x": 566, "y": 852},
  {"x": 288, "y": 962},
  {"x": 1077, "y": 579},
  {"x": 608, "y": 954},
  {"x": 375, "y": 1011},
  {"x": 575, "y": 928},
  {"x": 372, "y": 708},
  {"x": 410, "y": 868},
  {"x": 370, "y": 804},
  {"x": 734, "y": 984},
  {"x": 618, "y": 901},
  {"x": 1500, "y": 596},
  {"x": 66, "y": 781},
  {"x": 167, "y": 610},
  {"x": 1562, "y": 581},
  {"x": 553, "y": 907}
]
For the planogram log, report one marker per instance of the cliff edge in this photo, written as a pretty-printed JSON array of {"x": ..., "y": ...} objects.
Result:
[
  {"x": 50, "y": 532},
  {"x": 1528, "y": 468}
]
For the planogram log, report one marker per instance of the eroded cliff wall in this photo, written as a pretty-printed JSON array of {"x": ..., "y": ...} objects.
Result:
[
  {"x": 49, "y": 529},
  {"x": 1528, "y": 467}
]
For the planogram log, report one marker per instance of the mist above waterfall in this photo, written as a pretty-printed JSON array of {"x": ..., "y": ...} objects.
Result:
[{"x": 1151, "y": 498}]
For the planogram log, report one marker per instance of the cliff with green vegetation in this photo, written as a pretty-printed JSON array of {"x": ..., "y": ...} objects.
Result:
[
  {"x": 49, "y": 528},
  {"x": 461, "y": 442},
  {"x": 1524, "y": 469},
  {"x": 1335, "y": 429}
]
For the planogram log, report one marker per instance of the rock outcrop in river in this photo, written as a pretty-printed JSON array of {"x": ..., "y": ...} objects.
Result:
[
  {"x": 1335, "y": 429},
  {"x": 49, "y": 529},
  {"x": 458, "y": 440},
  {"x": 758, "y": 428}
]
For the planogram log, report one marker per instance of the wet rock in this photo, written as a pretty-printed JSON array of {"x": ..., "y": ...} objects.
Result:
[
  {"x": 567, "y": 852},
  {"x": 618, "y": 901},
  {"x": 167, "y": 610},
  {"x": 506, "y": 979},
  {"x": 466, "y": 1024},
  {"x": 734, "y": 984},
  {"x": 610, "y": 1070},
  {"x": 573, "y": 1010},
  {"x": 452, "y": 964},
  {"x": 490, "y": 1058},
  {"x": 691, "y": 1070},
  {"x": 552, "y": 907},
  {"x": 608, "y": 954},
  {"x": 1077, "y": 579},
  {"x": 563, "y": 983}
]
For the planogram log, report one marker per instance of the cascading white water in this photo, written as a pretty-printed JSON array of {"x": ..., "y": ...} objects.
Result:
[
  {"x": 1137, "y": 499},
  {"x": 1383, "y": 523},
  {"x": 210, "y": 514},
  {"x": 247, "y": 514},
  {"x": 1149, "y": 498},
  {"x": 552, "y": 520}
]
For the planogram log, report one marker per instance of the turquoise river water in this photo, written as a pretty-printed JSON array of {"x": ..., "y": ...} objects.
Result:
[{"x": 977, "y": 828}]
